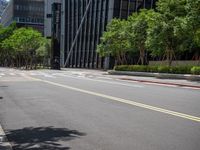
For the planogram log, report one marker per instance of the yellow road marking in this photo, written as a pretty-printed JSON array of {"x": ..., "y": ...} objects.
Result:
[{"x": 126, "y": 101}]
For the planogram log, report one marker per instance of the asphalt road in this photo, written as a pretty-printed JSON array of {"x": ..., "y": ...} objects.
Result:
[{"x": 87, "y": 110}]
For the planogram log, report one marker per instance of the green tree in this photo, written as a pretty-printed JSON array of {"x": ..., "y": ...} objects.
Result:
[
  {"x": 43, "y": 52},
  {"x": 138, "y": 25},
  {"x": 24, "y": 42},
  {"x": 163, "y": 37},
  {"x": 192, "y": 28},
  {"x": 114, "y": 41},
  {"x": 5, "y": 54}
]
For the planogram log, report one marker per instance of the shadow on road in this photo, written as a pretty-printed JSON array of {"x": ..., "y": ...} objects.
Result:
[
  {"x": 42, "y": 138},
  {"x": 3, "y": 86}
]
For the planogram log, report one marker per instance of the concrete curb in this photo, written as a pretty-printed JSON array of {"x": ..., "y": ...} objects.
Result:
[
  {"x": 4, "y": 144},
  {"x": 157, "y": 75},
  {"x": 162, "y": 83}
]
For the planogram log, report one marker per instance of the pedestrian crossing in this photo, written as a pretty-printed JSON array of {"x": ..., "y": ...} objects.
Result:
[
  {"x": 49, "y": 74},
  {"x": 18, "y": 75}
]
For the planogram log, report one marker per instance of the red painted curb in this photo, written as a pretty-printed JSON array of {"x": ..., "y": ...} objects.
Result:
[{"x": 176, "y": 84}]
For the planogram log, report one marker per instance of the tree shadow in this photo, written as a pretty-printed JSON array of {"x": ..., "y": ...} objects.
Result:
[{"x": 42, "y": 138}]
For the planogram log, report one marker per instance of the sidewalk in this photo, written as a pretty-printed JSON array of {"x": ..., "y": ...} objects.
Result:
[
  {"x": 153, "y": 78},
  {"x": 165, "y": 79}
]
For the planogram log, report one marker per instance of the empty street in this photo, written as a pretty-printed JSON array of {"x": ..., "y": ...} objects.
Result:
[{"x": 80, "y": 109}]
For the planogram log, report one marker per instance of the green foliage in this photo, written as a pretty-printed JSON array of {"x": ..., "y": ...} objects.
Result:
[
  {"x": 152, "y": 69},
  {"x": 139, "y": 68},
  {"x": 192, "y": 26},
  {"x": 195, "y": 70},
  {"x": 22, "y": 45},
  {"x": 180, "y": 69},
  {"x": 163, "y": 69},
  {"x": 138, "y": 25},
  {"x": 6, "y": 54},
  {"x": 169, "y": 31},
  {"x": 44, "y": 49},
  {"x": 114, "y": 41},
  {"x": 24, "y": 40},
  {"x": 7, "y": 31},
  {"x": 159, "y": 69},
  {"x": 165, "y": 36}
]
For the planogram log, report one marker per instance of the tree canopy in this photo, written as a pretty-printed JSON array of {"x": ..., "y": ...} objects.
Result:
[
  {"x": 22, "y": 46},
  {"x": 170, "y": 30},
  {"x": 114, "y": 42}
]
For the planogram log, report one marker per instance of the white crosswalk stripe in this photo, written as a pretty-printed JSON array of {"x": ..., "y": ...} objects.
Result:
[
  {"x": 33, "y": 74},
  {"x": 18, "y": 75},
  {"x": 12, "y": 74}
]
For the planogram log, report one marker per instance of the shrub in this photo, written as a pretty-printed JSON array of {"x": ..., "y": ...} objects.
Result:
[
  {"x": 122, "y": 68},
  {"x": 152, "y": 69},
  {"x": 160, "y": 69},
  {"x": 181, "y": 69},
  {"x": 139, "y": 68},
  {"x": 195, "y": 70},
  {"x": 163, "y": 69}
]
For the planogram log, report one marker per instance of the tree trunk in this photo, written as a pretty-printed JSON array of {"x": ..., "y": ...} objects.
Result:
[
  {"x": 169, "y": 54},
  {"x": 141, "y": 59}
]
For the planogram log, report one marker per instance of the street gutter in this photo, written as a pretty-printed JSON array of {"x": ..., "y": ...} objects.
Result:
[{"x": 157, "y": 75}]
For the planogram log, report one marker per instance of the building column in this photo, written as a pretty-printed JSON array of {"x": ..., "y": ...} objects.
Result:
[{"x": 62, "y": 44}]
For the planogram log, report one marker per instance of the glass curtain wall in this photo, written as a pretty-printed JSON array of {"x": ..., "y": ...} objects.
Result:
[
  {"x": 84, "y": 52},
  {"x": 29, "y": 13},
  {"x": 123, "y": 8}
]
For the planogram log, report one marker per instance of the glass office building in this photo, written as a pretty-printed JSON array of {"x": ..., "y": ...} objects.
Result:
[
  {"x": 26, "y": 13},
  {"x": 99, "y": 14}
]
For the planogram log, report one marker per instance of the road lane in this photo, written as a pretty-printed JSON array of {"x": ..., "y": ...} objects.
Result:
[
  {"x": 38, "y": 115},
  {"x": 176, "y": 99},
  {"x": 121, "y": 100}
]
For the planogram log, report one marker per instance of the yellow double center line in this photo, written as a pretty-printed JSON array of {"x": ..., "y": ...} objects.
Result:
[{"x": 125, "y": 101}]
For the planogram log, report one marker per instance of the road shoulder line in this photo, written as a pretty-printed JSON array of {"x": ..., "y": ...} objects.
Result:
[{"x": 121, "y": 100}]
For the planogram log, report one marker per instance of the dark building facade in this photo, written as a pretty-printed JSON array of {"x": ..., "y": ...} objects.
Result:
[
  {"x": 99, "y": 14},
  {"x": 79, "y": 37},
  {"x": 26, "y": 13},
  {"x": 3, "y": 4}
]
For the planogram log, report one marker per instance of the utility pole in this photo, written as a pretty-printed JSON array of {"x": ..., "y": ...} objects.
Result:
[{"x": 78, "y": 32}]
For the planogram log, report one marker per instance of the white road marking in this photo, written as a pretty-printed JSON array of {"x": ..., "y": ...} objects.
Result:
[
  {"x": 59, "y": 74},
  {"x": 33, "y": 74},
  {"x": 12, "y": 74},
  {"x": 121, "y": 100},
  {"x": 47, "y": 75},
  {"x": 116, "y": 83}
]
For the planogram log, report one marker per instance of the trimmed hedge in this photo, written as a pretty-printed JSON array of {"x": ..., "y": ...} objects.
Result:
[
  {"x": 160, "y": 69},
  {"x": 195, "y": 70}
]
